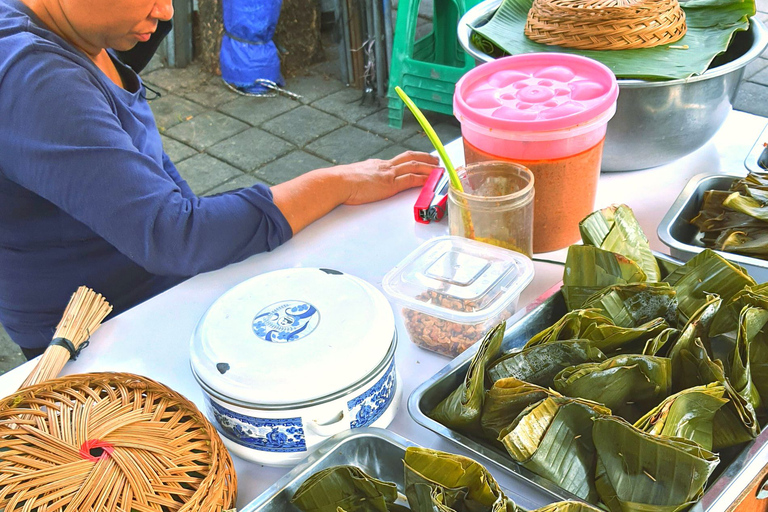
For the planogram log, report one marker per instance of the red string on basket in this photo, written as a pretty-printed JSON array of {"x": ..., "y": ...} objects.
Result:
[{"x": 95, "y": 450}]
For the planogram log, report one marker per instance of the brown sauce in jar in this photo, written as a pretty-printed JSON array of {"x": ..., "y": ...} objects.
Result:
[{"x": 565, "y": 190}]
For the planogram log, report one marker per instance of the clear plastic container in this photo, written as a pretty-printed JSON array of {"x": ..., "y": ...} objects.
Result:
[
  {"x": 452, "y": 290},
  {"x": 496, "y": 206}
]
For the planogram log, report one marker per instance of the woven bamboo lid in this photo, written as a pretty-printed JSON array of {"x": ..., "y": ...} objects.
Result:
[
  {"x": 110, "y": 442},
  {"x": 605, "y": 24}
]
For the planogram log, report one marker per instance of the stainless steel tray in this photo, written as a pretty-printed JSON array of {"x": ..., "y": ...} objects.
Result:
[
  {"x": 753, "y": 158},
  {"x": 682, "y": 237},
  {"x": 379, "y": 453},
  {"x": 736, "y": 471}
]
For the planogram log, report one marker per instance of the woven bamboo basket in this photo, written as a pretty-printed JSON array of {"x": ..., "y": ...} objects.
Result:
[
  {"x": 605, "y": 24},
  {"x": 110, "y": 442}
]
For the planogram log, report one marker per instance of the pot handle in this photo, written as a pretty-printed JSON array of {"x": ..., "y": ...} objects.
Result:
[{"x": 333, "y": 428}]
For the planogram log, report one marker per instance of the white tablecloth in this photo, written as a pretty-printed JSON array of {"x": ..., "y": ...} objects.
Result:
[{"x": 367, "y": 241}]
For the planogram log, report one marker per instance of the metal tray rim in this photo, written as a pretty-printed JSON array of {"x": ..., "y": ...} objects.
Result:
[
  {"x": 673, "y": 216},
  {"x": 328, "y": 446}
]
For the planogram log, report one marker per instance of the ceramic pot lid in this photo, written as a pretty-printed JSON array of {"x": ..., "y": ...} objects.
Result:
[{"x": 292, "y": 336}]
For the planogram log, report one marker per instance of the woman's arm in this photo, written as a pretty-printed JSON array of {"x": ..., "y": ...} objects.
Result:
[{"x": 310, "y": 196}]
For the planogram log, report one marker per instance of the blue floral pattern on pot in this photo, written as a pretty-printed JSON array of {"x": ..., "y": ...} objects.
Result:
[
  {"x": 369, "y": 406},
  {"x": 286, "y": 321},
  {"x": 265, "y": 434}
]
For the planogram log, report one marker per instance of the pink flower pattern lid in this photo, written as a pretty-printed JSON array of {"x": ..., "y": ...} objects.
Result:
[{"x": 535, "y": 92}]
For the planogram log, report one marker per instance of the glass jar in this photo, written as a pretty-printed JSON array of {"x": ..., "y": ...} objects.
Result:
[{"x": 496, "y": 206}]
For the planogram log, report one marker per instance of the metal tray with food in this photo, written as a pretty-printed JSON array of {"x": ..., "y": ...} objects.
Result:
[
  {"x": 379, "y": 453},
  {"x": 740, "y": 467},
  {"x": 684, "y": 238}
]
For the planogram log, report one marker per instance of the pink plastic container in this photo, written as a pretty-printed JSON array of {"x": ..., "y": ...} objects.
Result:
[{"x": 547, "y": 111}]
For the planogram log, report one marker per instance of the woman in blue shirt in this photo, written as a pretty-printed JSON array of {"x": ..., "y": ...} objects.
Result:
[{"x": 87, "y": 195}]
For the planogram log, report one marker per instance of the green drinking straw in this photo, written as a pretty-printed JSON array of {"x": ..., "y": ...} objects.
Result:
[{"x": 433, "y": 138}]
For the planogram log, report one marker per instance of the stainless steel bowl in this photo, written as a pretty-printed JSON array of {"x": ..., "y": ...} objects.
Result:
[{"x": 659, "y": 122}]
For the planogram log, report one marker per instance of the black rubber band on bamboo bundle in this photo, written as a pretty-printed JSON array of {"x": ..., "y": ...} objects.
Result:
[{"x": 67, "y": 344}]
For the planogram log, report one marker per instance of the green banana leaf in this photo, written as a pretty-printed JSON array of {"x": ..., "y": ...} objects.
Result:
[
  {"x": 613, "y": 339},
  {"x": 688, "y": 372},
  {"x": 751, "y": 324},
  {"x": 705, "y": 274},
  {"x": 629, "y": 384},
  {"x": 714, "y": 218},
  {"x": 553, "y": 438},
  {"x": 345, "y": 487},
  {"x": 461, "y": 409},
  {"x": 747, "y": 206},
  {"x": 589, "y": 269},
  {"x": 569, "y": 327},
  {"x": 630, "y": 305},
  {"x": 568, "y": 506},
  {"x": 637, "y": 471},
  {"x": 656, "y": 345},
  {"x": 616, "y": 229},
  {"x": 711, "y": 24},
  {"x": 747, "y": 241},
  {"x": 539, "y": 364},
  {"x": 758, "y": 359},
  {"x": 589, "y": 324},
  {"x": 692, "y": 366},
  {"x": 506, "y": 399},
  {"x": 727, "y": 319},
  {"x": 456, "y": 482},
  {"x": 689, "y": 414}
]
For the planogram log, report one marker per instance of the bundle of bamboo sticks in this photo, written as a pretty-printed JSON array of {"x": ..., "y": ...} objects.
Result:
[{"x": 82, "y": 317}]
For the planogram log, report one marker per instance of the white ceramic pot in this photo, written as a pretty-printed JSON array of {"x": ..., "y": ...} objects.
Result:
[{"x": 291, "y": 357}]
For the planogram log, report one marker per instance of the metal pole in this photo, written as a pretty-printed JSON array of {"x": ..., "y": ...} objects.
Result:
[
  {"x": 343, "y": 40},
  {"x": 379, "y": 50},
  {"x": 387, "y": 7},
  {"x": 346, "y": 47}
]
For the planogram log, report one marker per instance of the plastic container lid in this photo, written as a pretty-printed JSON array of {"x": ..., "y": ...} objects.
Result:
[
  {"x": 292, "y": 336},
  {"x": 535, "y": 92},
  {"x": 487, "y": 276}
]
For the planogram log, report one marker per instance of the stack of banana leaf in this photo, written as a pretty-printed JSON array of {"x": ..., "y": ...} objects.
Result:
[
  {"x": 737, "y": 220},
  {"x": 629, "y": 397},
  {"x": 434, "y": 481}
]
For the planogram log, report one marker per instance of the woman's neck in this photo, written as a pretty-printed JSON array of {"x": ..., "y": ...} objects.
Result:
[{"x": 55, "y": 19}]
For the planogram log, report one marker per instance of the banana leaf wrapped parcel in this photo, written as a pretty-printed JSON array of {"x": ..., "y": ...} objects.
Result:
[
  {"x": 629, "y": 384},
  {"x": 345, "y": 487},
  {"x": 539, "y": 364},
  {"x": 689, "y": 414},
  {"x": 506, "y": 399},
  {"x": 436, "y": 480},
  {"x": 637, "y": 471},
  {"x": 553, "y": 438},
  {"x": 461, "y": 410}
]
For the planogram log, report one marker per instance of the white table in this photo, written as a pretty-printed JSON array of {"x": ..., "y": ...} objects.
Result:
[{"x": 367, "y": 241}]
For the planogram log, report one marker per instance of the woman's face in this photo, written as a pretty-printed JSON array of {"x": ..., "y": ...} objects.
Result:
[{"x": 118, "y": 24}]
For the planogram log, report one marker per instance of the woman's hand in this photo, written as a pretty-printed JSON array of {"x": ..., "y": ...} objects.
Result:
[
  {"x": 305, "y": 199},
  {"x": 373, "y": 180}
]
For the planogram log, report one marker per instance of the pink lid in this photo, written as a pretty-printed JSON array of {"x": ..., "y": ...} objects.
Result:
[{"x": 535, "y": 92}]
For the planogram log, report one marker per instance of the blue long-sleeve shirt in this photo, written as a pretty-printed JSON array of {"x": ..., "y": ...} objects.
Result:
[{"x": 87, "y": 195}]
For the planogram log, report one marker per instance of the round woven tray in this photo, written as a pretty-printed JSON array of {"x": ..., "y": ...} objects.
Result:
[
  {"x": 110, "y": 442},
  {"x": 605, "y": 24}
]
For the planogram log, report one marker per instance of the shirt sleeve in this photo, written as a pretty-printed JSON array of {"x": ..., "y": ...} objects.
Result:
[
  {"x": 68, "y": 146},
  {"x": 170, "y": 168}
]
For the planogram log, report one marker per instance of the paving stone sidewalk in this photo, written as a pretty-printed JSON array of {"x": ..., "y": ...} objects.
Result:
[{"x": 220, "y": 140}]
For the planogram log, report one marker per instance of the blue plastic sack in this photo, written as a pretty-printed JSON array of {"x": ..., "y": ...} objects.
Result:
[{"x": 247, "y": 50}]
